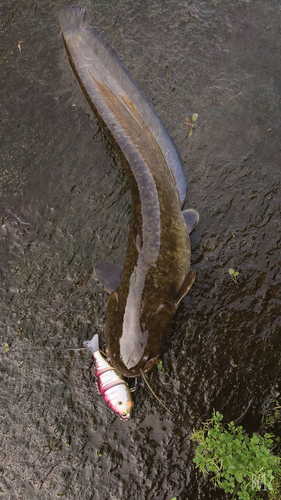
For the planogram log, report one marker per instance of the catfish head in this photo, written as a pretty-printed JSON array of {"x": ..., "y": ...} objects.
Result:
[
  {"x": 137, "y": 326},
  {"x": 135, "y": 339}
]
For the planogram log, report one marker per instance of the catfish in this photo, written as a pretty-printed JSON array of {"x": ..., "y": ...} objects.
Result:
[{"x": 145, "y": 294}]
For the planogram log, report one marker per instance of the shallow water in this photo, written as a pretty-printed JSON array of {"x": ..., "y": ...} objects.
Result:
[{"x": 65, "y": 205}]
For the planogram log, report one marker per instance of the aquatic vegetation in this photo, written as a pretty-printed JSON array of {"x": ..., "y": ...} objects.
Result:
[
  {"x": 275, "y": 494},
  {"x": 190, "y": 124},
  {"x": 233, "y": 274},
  {"x": 240, "y": 465},
  {"x": 273, "y": 413},
  {"x": 271, "y": 421},
  {"x": 160, "y": 366}
]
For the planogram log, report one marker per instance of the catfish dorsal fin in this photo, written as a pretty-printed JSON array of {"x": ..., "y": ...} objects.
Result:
[{"x": 188, "y": 281}]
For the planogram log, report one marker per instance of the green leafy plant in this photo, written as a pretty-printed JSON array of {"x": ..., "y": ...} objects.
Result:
[
  {"x": 240, "y": 465},
  {"x": 190, "y": 124},
  {"x": 233, "y": 274},
  {"x": 272, "y": 420},
  {"x": 273, "y": 415},
  {"x": 160, "y": 366},
  {"x": 6, "y": 347},
  {"x": 275, "y": 493}
]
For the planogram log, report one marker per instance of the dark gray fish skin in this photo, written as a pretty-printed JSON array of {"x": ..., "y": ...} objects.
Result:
[{"x": 156, "y": 273}]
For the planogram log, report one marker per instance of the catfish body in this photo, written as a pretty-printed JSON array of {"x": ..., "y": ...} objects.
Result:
[{"x": 156, "y": 275}]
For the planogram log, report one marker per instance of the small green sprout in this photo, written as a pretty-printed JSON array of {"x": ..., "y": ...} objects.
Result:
[
  {"x": 233, "y": 274},
  {"x": 234, "y": 234},
  {"x": 174, "y": 498},
  {"x": 6, "y": 347},
  {"x": 160, "y": 366},
  {"x": 190, "y": 124}
]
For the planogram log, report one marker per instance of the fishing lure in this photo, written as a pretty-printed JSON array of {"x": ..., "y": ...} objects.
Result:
[{"x": 113, "y": 388}]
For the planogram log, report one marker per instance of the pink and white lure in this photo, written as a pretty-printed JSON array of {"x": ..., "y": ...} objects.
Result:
[{"x": 113, "y": 388}]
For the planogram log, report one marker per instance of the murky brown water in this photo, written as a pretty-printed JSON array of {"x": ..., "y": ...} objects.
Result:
[{"x": 65, "y": 204}]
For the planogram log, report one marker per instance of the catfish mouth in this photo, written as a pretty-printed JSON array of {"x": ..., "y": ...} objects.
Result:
[{"x": 145, "y": 365}]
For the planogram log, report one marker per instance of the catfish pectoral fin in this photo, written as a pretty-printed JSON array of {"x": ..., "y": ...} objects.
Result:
[
  {"x": 188, "y": 281},
  {"x": 108, "y": 275},
  {"x": 191, "y": 219}
]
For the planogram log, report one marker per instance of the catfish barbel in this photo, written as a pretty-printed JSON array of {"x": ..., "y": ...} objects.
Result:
[{"x": 145, "y": 295}]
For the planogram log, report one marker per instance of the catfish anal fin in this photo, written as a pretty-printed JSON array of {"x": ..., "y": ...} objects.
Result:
[
  {"x": 108, "y": 275},
  {"x": 188, "y": 281}
]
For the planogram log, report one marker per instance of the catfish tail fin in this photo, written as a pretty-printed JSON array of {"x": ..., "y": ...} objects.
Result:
[{"x": 72, "y": 18}]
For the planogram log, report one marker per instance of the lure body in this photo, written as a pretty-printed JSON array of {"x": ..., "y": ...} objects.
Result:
[{"x": 114, "y": 390}]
